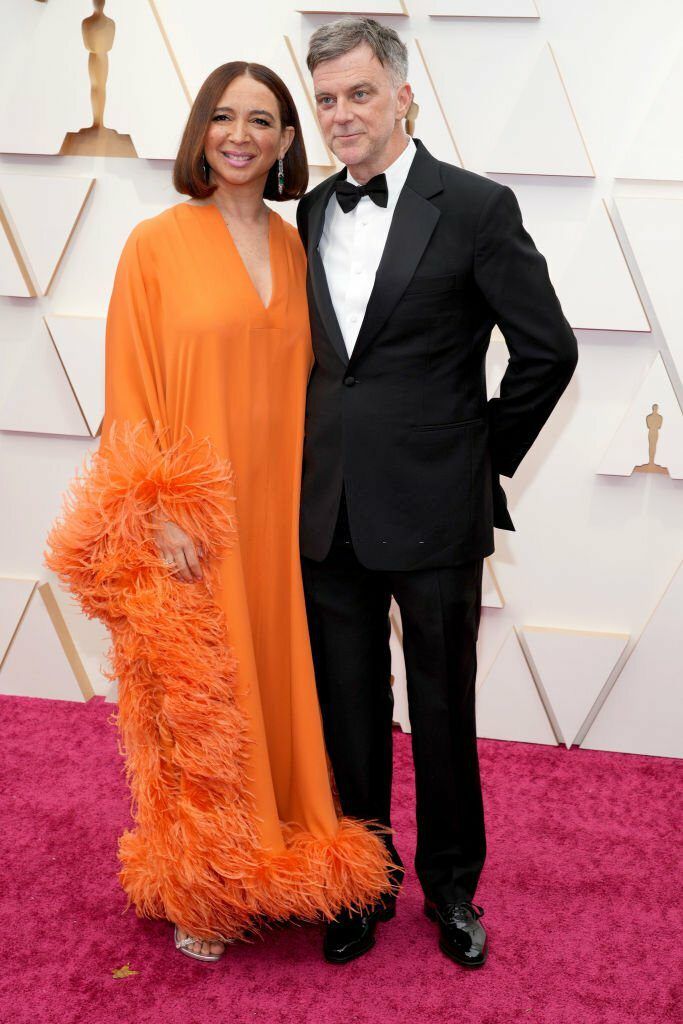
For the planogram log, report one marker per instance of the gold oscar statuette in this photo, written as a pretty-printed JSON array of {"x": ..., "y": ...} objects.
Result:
[
  {"x": 653, "y": 422},
  {"x": 98, "y": 38}
]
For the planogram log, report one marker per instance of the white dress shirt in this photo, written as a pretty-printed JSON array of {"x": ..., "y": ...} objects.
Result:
[{"x": 352, "y": 244}]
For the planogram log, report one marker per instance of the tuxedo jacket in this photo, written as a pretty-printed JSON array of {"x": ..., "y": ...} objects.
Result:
[{"x": 404, "y": 423}]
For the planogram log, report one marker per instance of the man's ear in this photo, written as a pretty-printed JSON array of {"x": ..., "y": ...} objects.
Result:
[{"x": 404, "y": 98}]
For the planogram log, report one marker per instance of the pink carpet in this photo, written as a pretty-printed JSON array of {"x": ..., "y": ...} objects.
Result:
[{"x": 581, "y": 890}]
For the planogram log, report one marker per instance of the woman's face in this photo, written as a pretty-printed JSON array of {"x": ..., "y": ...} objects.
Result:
[{"x": 245, "y": 136}]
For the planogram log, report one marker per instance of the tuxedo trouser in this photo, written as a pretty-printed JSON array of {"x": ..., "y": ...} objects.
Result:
[{"x": 348, "y": 616}]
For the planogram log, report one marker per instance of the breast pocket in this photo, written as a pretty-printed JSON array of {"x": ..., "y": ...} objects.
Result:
[
  {"x": 427, "y": 298},
  {"x": 442, "y": 284}
]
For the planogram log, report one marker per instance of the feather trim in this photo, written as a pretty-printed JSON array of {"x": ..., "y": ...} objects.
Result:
[{"x": 193, "y": 856}]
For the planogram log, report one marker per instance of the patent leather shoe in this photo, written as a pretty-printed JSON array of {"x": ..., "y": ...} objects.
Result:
[
  {"x": 350, "y": 935},
  {"x": 385, "y": 908},
  {"x": 462, "y": 936}
]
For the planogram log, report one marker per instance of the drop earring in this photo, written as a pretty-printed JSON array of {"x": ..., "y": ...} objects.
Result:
[
  {"x": 280, "y": 176},
  {"x": 205, "y": 167}
]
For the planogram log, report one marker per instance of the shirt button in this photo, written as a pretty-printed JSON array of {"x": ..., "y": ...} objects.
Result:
[
  {"x": 358, "y": 270},
  {"x": 353, "y": 319}
]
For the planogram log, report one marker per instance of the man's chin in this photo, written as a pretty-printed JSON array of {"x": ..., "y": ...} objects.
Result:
[{"x": 350, "y": 151}]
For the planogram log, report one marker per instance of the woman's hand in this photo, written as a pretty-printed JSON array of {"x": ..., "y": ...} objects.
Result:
[{"x": 177, "y": 549}]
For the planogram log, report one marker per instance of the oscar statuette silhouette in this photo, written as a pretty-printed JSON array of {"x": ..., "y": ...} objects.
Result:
[
  {"x": 98, "y": 38},
  {"x": 654, "y": 422}
]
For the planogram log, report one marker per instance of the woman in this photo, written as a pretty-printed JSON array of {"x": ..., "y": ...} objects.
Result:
[{"x": 182, "y": 536}]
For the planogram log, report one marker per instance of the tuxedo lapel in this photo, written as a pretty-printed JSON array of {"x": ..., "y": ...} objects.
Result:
[
  {"x": 412, "y": 225},
  {"x": 321, "y": 291}
]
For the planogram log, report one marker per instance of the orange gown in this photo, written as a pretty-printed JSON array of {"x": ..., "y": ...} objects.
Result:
[{"x": 235, "y": 823}]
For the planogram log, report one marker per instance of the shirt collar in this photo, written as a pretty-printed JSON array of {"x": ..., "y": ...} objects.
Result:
[{"x": 396, "y": 173}]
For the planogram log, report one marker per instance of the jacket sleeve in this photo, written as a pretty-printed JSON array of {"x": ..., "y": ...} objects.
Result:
[{"x": 513, "y": 277}]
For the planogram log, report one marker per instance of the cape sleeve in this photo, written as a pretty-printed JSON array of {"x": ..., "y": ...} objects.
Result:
[
  {"x": 133, "y": 377},
  {"x": 102, "y": 544}
]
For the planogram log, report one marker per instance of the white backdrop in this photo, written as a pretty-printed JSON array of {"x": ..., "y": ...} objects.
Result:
[{"x": 576, "y": 106}]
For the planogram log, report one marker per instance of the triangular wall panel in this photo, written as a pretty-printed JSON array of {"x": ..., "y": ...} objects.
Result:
[
  {"x": 628, "y": 451},
  {"x": 643, "y": 713},
  {"x": 541, "y": 135},
  {"x": 41, "y": 400},
  {"x": 47, "y": 105},
  {"x": 491, "y": 594},
  {"x": 571, "y": 668},
  {"x": 286, "y": 62},
  {"x": 654, "y": 228},
  {"x": 15, "y": 595},
  {"x": 15, "y": 279},
  {"x": 43, "y": 212},
  {"x": 79, "y": 342},
  {"x": 508, "y": 703},
  {"x": 656, "y": 150},
  {"x": 432, "y": 125},
  {"x": 577, "y": 237},
  {"x": 42, "y": 660}
]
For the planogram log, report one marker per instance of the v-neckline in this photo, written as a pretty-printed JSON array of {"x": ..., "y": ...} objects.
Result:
[{"x": 273, "y": 275}]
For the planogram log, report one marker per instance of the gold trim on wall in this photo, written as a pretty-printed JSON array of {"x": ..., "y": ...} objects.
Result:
[
  {"x": 493, "y": 17},
  {"x": 359, "y": 10},
  {"x": 66, "y": 372},
  {"x": 418, "y": 46},
  {"x": 18, "y": 256},
  {"x": 171, "y": 51},
  {"x": 65, "y": 639},
  {"x": 297, "y": 67},
  {"x": 21, "y": 617},
  {"x": 69, "y": 236},
  {"x": 576, "y": 120}
]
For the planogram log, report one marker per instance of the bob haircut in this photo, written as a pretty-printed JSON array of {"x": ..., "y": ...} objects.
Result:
[{"x": 188, "y": 171}]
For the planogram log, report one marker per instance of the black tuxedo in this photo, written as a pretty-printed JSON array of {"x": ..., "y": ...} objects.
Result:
[
  {"x": 405, "y": 422},
  {"x": 401, "y": 490}
]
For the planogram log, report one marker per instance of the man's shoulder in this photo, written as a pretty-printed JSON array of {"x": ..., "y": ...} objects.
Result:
[
  {"x": 473, "y": 185},
  {"x": 318, "y": 190}
]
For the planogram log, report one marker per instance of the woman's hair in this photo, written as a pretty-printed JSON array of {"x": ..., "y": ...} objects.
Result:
[{"x": 188, "y": 171}]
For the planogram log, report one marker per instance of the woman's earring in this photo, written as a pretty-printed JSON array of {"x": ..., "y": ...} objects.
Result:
[
  {"x": 280, "y": 176},
  {"x": 205, "y": 167}
]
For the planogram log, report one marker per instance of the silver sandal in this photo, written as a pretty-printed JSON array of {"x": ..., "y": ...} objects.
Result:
[{"x": 184, "y": 944}]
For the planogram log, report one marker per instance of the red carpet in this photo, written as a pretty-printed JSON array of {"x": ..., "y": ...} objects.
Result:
[{"x": 581, "y": 890}]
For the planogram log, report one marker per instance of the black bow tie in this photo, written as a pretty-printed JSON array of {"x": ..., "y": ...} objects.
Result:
[{"x": 348, "y": 195}]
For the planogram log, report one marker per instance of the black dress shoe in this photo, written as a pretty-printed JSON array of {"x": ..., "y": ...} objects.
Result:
[
  {"x": 385, "y": 908},
  {"x": 462, "y": 937},
  {"x": 350, "y": 935}
]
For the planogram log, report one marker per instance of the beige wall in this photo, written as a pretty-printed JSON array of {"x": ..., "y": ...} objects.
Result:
[{"x": 577, "y": 110}]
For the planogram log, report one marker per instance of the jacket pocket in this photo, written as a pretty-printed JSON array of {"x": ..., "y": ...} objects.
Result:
[{"x": 430, "y": 427}]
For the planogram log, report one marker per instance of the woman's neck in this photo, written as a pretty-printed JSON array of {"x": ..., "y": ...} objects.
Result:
[{"x": 240, "y": 203}]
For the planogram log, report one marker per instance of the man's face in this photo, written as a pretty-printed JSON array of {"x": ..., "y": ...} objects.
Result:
[{"x": 358, "y": 105}]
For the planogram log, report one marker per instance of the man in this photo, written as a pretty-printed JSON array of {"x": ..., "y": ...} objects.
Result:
[{"x": 411, "y": 263}]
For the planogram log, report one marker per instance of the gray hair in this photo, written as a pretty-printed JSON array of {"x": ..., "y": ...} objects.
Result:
[{"x": 339, "y": 37}]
